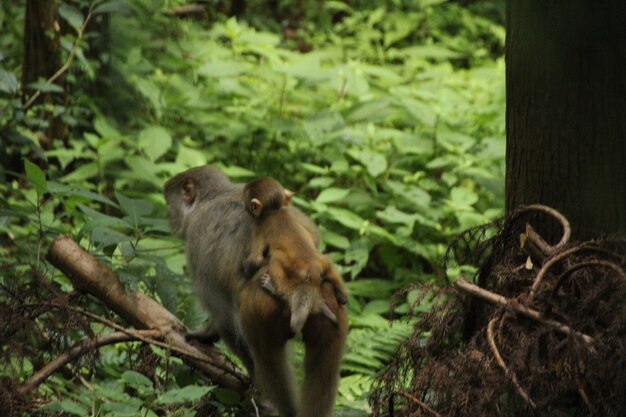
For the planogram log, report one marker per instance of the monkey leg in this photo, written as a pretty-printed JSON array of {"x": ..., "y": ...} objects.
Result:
[
  {"x": 265, "y": 323},
  {"x": 324, "y": 342},
  {"x": 206, "y": 335}
]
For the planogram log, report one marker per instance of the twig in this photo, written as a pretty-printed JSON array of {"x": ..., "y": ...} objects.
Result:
[
  {"x": 567, "y": 230},
  {"x": 510, "y": 374},
  {"x": 593, "y": 262},
  {"x": 68, "y": 61},
  {"x": 187, "y": 10},
  {"x": 256, "y": 408},
  {"x": 76, "y": 351},
  {"x": 418, "y": 402},
  {"x": 534, "y": 245},
  {"x": 493, "y": 298},
  {"x": 138, "y": 336},
  {"x": 556, "y": 258}
]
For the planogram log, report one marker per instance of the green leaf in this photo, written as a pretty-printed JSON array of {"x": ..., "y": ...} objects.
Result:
[
  {"x": 220, "y": 69},
  {"x": 334, "y": 239},
  {"x": 46, "y": 87},
  {"x": 411, "y": 193},
  {"x": 136, "y": 380},
  {"x": 369, "y": 111},
  {"x": 372, "y": 288},
  {"x": 83, "y": 172},
  {"x": 420, "y": 111},
  {"x": 154, "y": 141},
  {"x": 181, "y": 395},
  {"x": 67, "y": 406},
  {"x": 462, "y": 197},
  {"x": 331, "y": 195},
  {"x": 35, "y": 177},
  {"x": 374, "y": 162},
  {"x": 71, "y": 15},
  {"x": 113, "y": 6},
  {"x": 128, "y": 408},
  {"x": 346, "y": 217},
  {"x": 103, "y": 237},
  {"x": 319, "y": 125},
  {"x": 8, "y": 82},
  {"x": 134, "y": 208},
  {"x": 392, "y": 215},
  {"x": 57, "y": 188}
]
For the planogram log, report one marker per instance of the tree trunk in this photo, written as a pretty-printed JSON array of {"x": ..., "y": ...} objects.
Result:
[
  {"x": 42, "y": 58},
  {"x": 566, "y": 111}
]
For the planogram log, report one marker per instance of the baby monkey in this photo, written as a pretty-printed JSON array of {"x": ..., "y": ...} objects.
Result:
[{"x": 287, "y": 244}]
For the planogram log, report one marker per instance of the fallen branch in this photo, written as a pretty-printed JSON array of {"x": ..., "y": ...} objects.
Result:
[
  {"x": 77, "y": 351},
  {"x": 91, "y": 276},
  {"x": 422, "y": 404},
  {"x": 493, "y": 298},
  {"x": 510, "y": 374}
]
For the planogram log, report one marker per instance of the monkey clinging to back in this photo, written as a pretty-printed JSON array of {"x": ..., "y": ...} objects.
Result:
[
  {"x": 207, "y": 211},
  {"x": 290, "y": 251}
]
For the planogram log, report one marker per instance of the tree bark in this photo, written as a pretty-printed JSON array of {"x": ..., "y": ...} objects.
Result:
[
  {"x": 566, "y": 112},
  {"x": 42, "y": 58}
]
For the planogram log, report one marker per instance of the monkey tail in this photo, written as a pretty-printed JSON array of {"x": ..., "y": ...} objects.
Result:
[{"x": 305, "y": 301}]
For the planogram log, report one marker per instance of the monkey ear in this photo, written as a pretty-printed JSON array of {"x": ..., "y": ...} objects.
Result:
[
  {"x": 188, "y": 190},
  {"x": 288, "y": 195},
  {"x": 255, "y": 207}
]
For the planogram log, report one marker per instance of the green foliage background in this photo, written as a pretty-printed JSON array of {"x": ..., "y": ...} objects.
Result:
[{"x": 390, "y": 129}]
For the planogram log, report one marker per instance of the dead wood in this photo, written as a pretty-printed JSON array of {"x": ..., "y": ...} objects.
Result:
[
  {"x": 93, "y": 277},
  {"x": 540, "y": 338}
]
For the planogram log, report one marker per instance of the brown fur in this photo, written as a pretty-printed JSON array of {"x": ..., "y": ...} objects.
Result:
[{"x": 207, "y": 211}]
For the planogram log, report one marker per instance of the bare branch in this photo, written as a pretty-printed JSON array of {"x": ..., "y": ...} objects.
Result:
[
  {"x": 493, "y": 298},
  {"x": 77, "y": 351},
  {"x": 510, "y": 374},
  {"x": 91, "y": 276}
]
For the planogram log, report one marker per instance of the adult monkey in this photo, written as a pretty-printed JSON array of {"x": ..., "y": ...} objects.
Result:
[{"x": 207, "y": 211}]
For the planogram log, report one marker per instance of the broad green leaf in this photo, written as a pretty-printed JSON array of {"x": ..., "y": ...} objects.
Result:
[
  {"x": 128, "y": 408},
  {"x": 180, "y": 395},
  {"x": 376, "y": 307},
  {"x": 334, "y": 239},
  {"x": 154, "y": 141},
  {"x": 372, "y": 288},
  {"x": 142, "y": 169},
  {"x": 35, "y": 177},
  {"x": 392, "y": 215},
  {"x": 136, "y": 380},
  {"x": 103, "y": 236},
  {"x": 346, "y": 217},
  {"x": 421, "y": 111},
  {"x": 83, "y": 172},
  {"x": 46, "y": 87},
  {"x": 369, "y": 111},
  {"x": 112, "y": 6},
  {"x": 331, "y": 195},
  {"x": 319, "y": 125},
  {"x": 134, "y": 208},
  {"x": 411, "y": 193},
  {"x": 105, "y": 129},
  {"x": 430, "y": 51},
  {"x": 57, "y": 188},
  {"x": 8, "y": 82},
  {"x": 462, "y": 197},
  {"x": 67, "y": 406},
  {"x": 374, "y": 162},
  {"x": 71, "y": 15},
  {"x": 219, "y": 69}
]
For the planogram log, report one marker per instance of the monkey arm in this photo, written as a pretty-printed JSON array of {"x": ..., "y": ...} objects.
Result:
[{"x": 331, "y": 275}]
